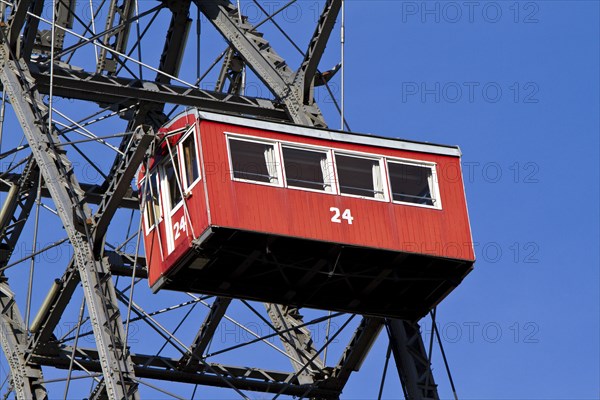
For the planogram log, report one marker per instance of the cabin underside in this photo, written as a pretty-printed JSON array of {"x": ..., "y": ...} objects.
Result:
[{"x": 307, "y": 273}]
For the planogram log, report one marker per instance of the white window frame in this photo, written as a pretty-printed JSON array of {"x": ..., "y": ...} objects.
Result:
[
  {"x": 166, "y": 198},
  {"x": 164, "y": 187},
  {"x": 186, "y": 186},
  {"x": 154, "y": 174},
  {"x": 254, "y": 139},
  {"x": 330, "y": 162},
  {"x": 434, "y": 188},
  {"x": 367, "y": 156}
]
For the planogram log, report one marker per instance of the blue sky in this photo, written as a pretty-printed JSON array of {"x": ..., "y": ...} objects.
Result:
[
  {"x": 516, "y": 86},
  {"x": 525, "y": 323}
]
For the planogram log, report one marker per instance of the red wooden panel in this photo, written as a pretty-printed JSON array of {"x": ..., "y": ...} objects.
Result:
[
  {"x": 305, "y": 214},
  {"x": 299, "y": 213},
  {"x": 153, "y": 255},
  {"x": 192, "y": 214}
]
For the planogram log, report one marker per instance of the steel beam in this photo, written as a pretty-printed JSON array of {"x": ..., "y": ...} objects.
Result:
[
  {"x": 122, "y": 264},
  {"x": 30, "y": 32},
  {"x": 124, "y": 92},
  {"x": 62, "y": 291},
  {"x": 148, "y": 112},
  {"x": 20, "y": 199},
  {"x": 93, "y": 193},
  {"x": 353, "y": 356},
  {"x": 261, "y": 58},
  {"x": 115, "y": 39},
  {"x": 120, "y": 176},
  {"x": 305, "y": 75},
  {"x": 99, "y": 392},
  {"x": 64, "y": 16},
  {"x": 16, "y": 20},
  {"x": 297, "y": 342},
  {"x": 176, "y": 38},
  {"x": 68, "y": 196},
  {"x": 232, "y": 71},
  {"x": 206, "y": 332},
  {"x": 219, "y": 375},
  {"x": 26, "y": 377},
  {"x": 411, "y": 359},
  {"x": 51, "y": 310}
]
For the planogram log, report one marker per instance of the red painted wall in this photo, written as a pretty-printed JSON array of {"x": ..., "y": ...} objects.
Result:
[
  {"x": 192, "y": 213},
  {"x": 305, "y": 214}
]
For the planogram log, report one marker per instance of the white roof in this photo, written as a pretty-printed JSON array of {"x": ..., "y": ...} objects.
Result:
[{"x": 328, "y": 134}]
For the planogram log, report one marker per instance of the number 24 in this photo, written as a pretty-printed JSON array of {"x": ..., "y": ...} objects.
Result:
[
  {"x": 347, "y": 215},
  {"x": 179, "y": 227}
]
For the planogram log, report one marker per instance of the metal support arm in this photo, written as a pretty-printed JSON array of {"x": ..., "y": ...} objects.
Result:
[
  {"x": 297, "y": 341},
  {"x": 206, "y": 332},
  {"x": 353, "y": 356},
  {"x": 306, "y": 73},
  {"x": 411, "y": 360}
]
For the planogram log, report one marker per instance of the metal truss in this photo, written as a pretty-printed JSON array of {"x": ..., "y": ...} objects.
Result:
[
  {"x": 206, "y": 332},
  {"x": 116, "y": 84},
  {"x": 25, "y": 376},
  {"x": 297, "y": 342},
  {"x": 164, "y": 368},
  {"x": 124, "y": 92},
  {"x": 117, "y": 32},
  {"x": 259, "y": 55},
  {"x": 75, "y": 216},
  {"x": 16, "y": 209},
  {"x": 414, "y": 367}
]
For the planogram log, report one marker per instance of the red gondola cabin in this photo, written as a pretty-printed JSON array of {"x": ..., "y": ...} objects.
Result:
[{"x": 246, "y": 208}]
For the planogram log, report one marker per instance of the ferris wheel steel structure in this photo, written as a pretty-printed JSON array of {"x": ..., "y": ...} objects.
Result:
[{"x": 36, "y": 68}]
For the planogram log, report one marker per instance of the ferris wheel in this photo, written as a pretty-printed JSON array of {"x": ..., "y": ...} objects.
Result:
[{"x": 178, "y": 221}]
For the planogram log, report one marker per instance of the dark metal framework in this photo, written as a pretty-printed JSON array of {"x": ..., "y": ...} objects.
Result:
[{"x": 37, "y": 62}]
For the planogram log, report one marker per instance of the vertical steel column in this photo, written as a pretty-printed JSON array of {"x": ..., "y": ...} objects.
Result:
[
  {"x": 232, "y": 71},
  {"x": 297, "y": 342},
  {"x": 115, "y": 39},
  {"x": 25, "y": 377},
  {"x": 64, "y": 189},
  {"x": 411, "y": 360}
]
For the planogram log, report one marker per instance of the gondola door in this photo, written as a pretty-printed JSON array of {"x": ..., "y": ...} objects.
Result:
[{"x": 172, "y": 200}]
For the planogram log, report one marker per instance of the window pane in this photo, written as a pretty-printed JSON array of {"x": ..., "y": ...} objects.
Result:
[
  {"x": 411, "y": 183},
  {"x": 359, "y": 176},
  {"x": 306, "y": 169},
  {"x": 253, "y": 161},
  {"x": 190, "y": 160},
  {"x": 174, "y": 192}
]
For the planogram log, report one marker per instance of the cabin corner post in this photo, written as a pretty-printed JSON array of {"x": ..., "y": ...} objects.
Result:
[{"x": 68, "y": 197}]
